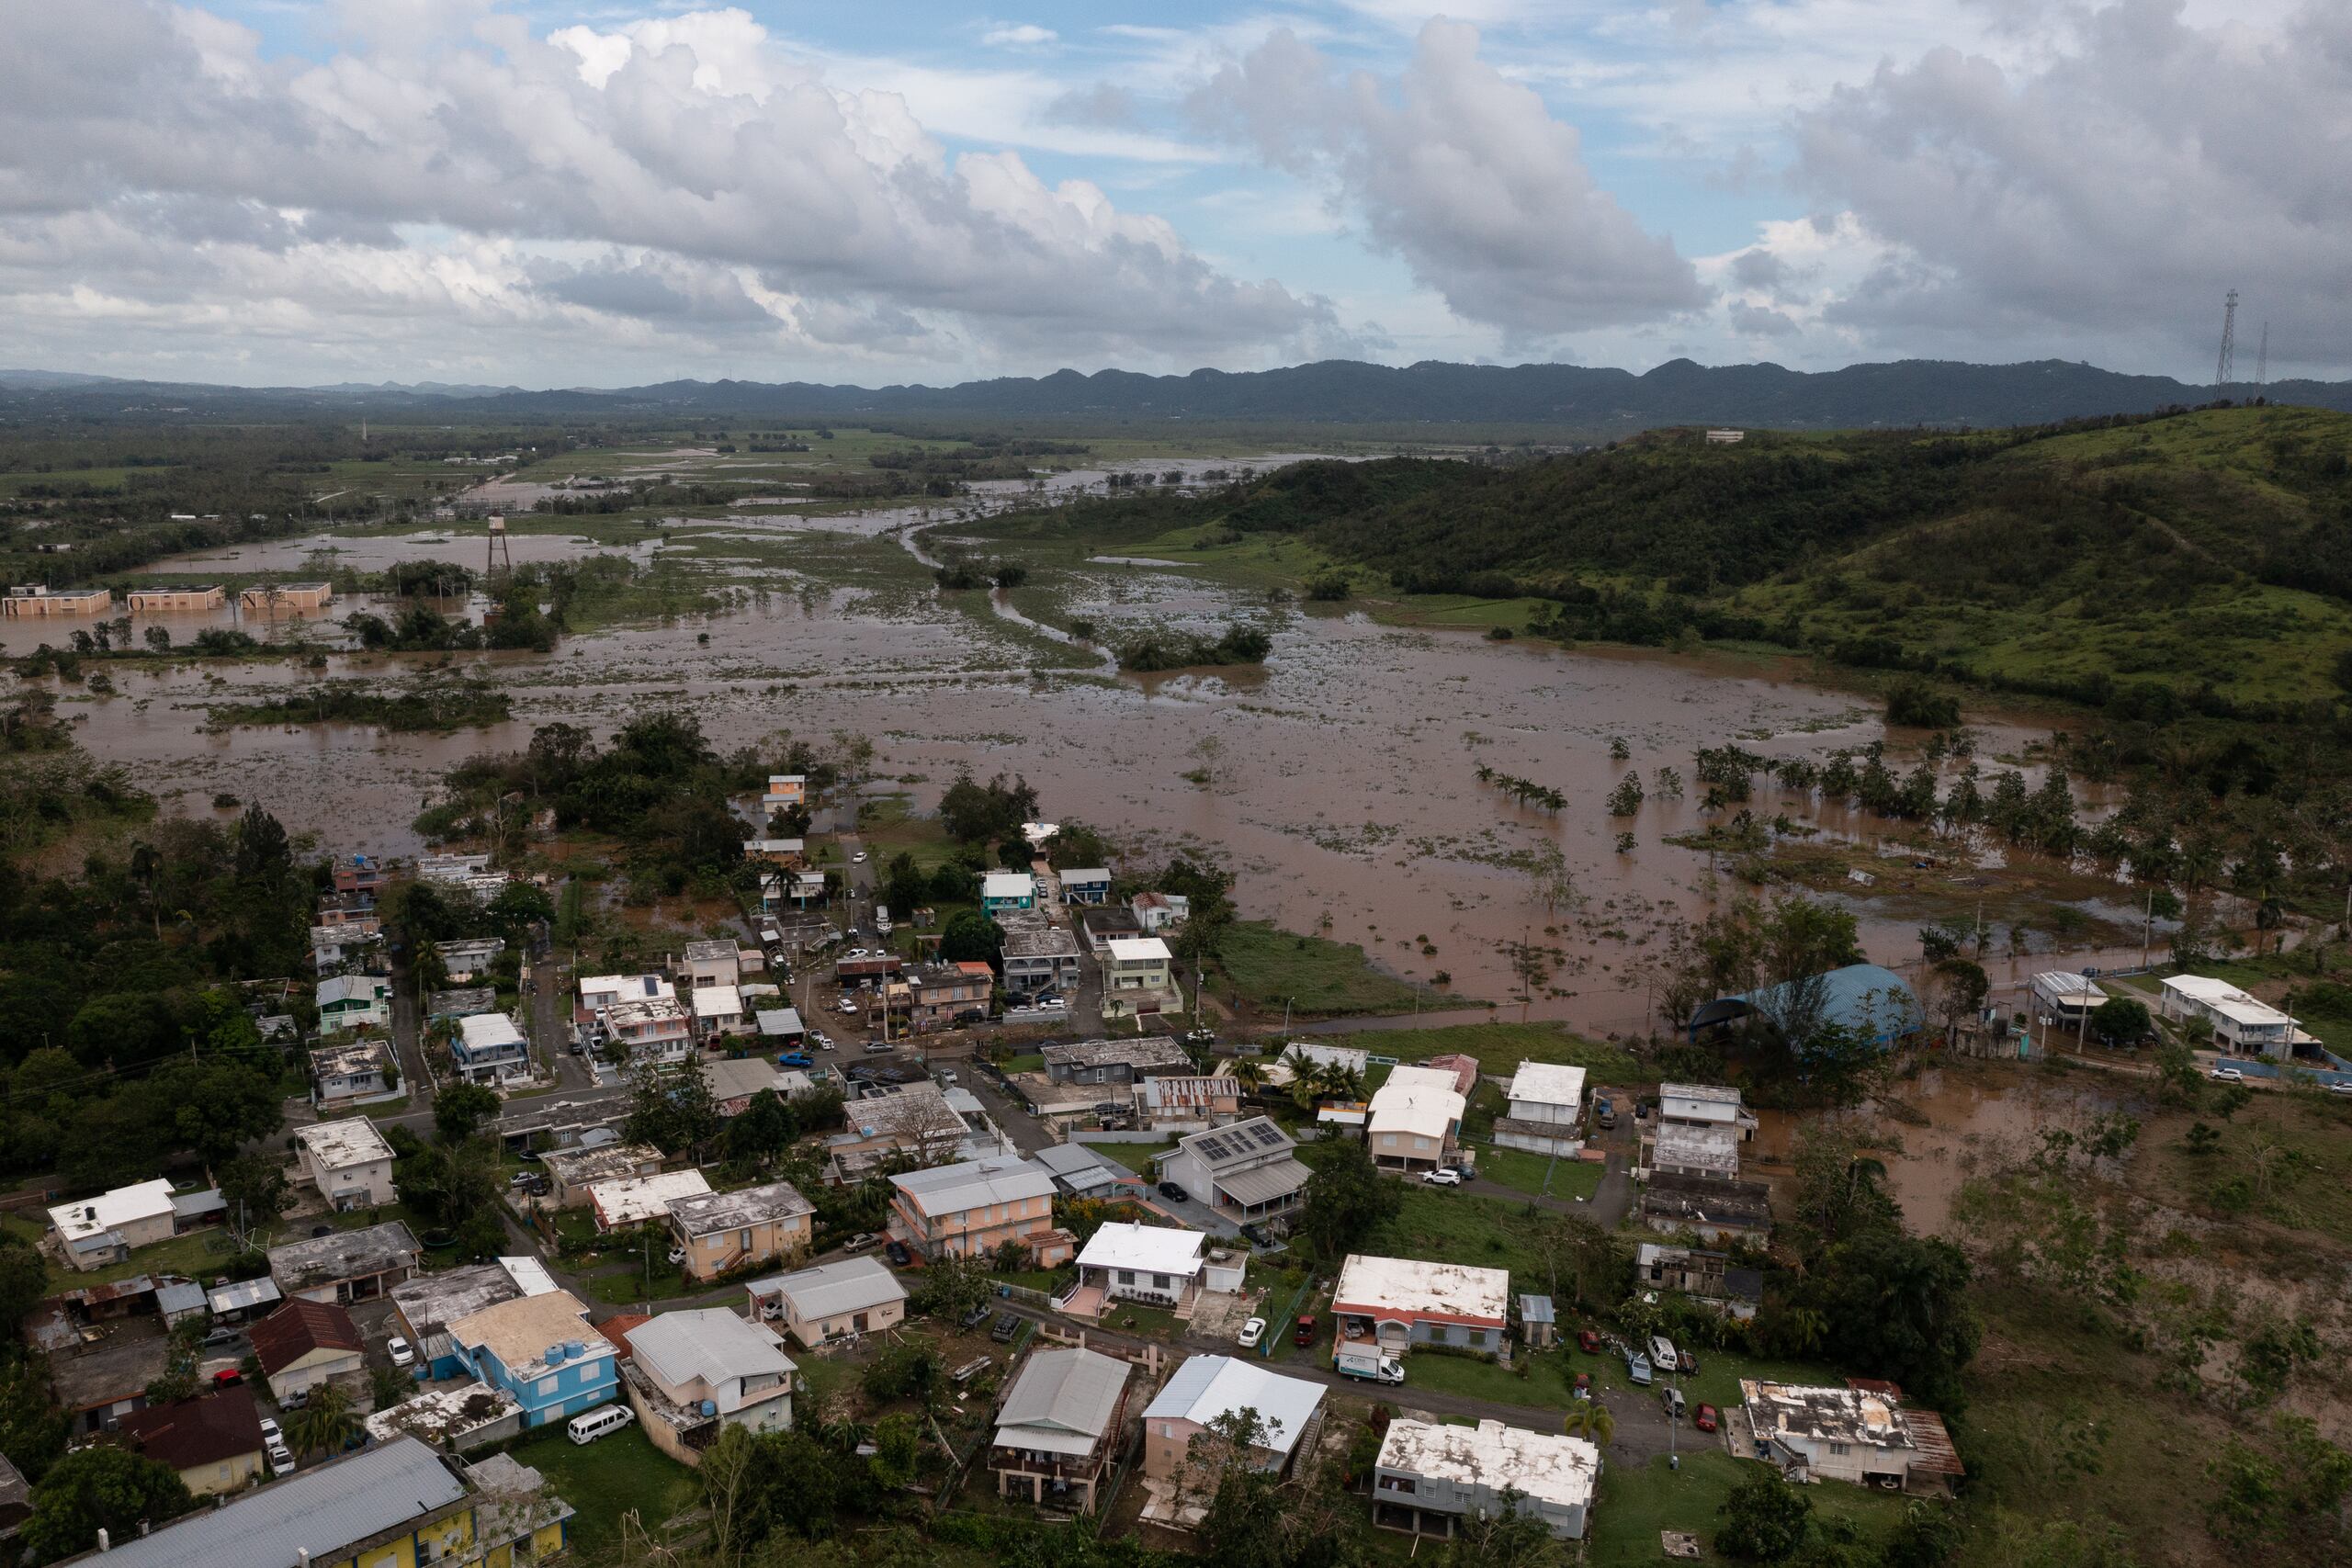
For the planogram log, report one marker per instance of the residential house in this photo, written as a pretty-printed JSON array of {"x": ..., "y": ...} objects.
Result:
[
  {"x": 241, "y": 1299},
  {"x": 721, "y": 1232},
  {"x": 1862, "y": 1433},
  {"x": 1155, "y": 1265},
  {"x": 1115, "y": 1061},
  {"x": 714, "y": 962},
  {"x": 470, "y": 959},
  {"x": 780, "y": 1027},
  {"x": 691, "y": 1375},
  {"x": 541, "y": 1351},
  {"x": 642, "y": 1200},
  {"x": 361, "y": 873},
  {"x": 488, "y": 1049},
  {"x": 305, "y": 1344},
  {"x": 2241, "y": 1026},
  {"x": 778, "y": 854},
  {"x": 562, "y": 1124},
  {"x": 1678, "y": 1148},
  {"x": 1415, "y": 1120},
  {"x": 655, "y": 1032},
  {"x": 1539, "y": 1322},
  {"x": 355, "y": 944},
  {"x": 425, "y": 1306},
  {"x": 930, "y": 1125},
  {"x": 1003, "y": 890},
  {"x": 1091, "y": 885},
  {"x": 1059, "y": 1428},
  {"x": 1705, "y": 1105},
  {"x": 1707, "y": 1278},
  {"x": 1711, "y": 1210},
  {"x": 286, "y": 598},
  {"x": 1043, "y": 958},
  {"x": 735, "y": 1079},
  {"x": 1106, "y": 925},
  {"x": 347, "y": 1161},
  {"x": 785, "y": 791},
  {"x": 355, "y": 909},
  {"x": 1545, "y": 1115},
  {"x": 1433, "y": 1477},
  {"x": 100, "y": 1380},
  {"x": 1463, "y": 1069},
  {"x": 2067, "y": 1000},
  {"x": 175, "y": 601},
  {"x": 719, "y": 1013},
  {"x": 572, "y": 1173},
  {"x": 1397, "y": 1303},
  {"x": 1080, "y": 1172},
  {"x": 452, "y": 1416},
  {"x": 464, "y": 1001},
  {"x": 345, "y": 1074},
  {"x": 1248, "y": 1171},
  {"x": 833, "y": 1301},
  {"x": 394, "y": 1505},
  {"x": 214, "y": 1441},
  {"x": 95, "y": 1232},
  {"x": 948, "y": 996},
  {"x": 354, "y": 1001},
  {"x": 1157, "y": 914},
  {"x": 1206, "y": 1388},
  {"x": 346, "y": 1266},
  {"x": 1137, "y": 978},
  {"x": 598, "y": 992},
  {"x": 974, "y": 1208},
  {"x": 1180, "y": 1103}
]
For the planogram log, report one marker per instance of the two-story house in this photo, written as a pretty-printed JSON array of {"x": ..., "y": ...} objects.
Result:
[
  {"x": 471, "y": 958},
  {"x": 1088, "y": 886},
  {"x": 721, "y": 1232},
  {"x": 1431, "y": 1478},
  {"x": 598, "y": 992},
  {"x": 354, "y": 1001},
  {"x": 542, "y": 1351},
  {"x": 963, "y": 1210},
  {"x": 1003, "y": 890},
  {"x": 348, "y": 1161},
  {"x": 1247, "y": 1172},
  {"x": 355, "y": 1070},
  {"x": 1043, "y": 958},
  {"x": 692, "y": 1374},
  {"x": 1546, "y": 1111},
  {"x": 1058, "y": 1429},
  {"x": 1139, "y": 979},
  {"x": 718, "y": 962},
  {"x": 1115, "y": 1061},
  {"x": 1708, "y": 1278},
  {"x": 1415, "y": 1120},
  {"x": 1207, "y": 1388},
  {"x": 346, "y": 1266},
  {"x": 948, "y": 996},
  {"x": 488, "y": 1049},
  {"x": 655, "y": 1030}
]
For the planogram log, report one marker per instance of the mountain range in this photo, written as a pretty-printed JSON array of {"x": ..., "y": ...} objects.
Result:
[{"x": 1570, "y": 397}]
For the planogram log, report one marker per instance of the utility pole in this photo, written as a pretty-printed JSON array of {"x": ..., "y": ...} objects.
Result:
[{"x": 2148, "y": 922}]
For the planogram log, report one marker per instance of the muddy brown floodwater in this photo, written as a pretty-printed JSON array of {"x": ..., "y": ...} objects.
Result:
[{"x": 1344, "y": 795}]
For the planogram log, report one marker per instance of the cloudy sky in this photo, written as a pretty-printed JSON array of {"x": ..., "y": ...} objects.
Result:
[{"x": 599, "y": 191}]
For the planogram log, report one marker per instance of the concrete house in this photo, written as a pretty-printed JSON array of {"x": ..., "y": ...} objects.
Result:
[
  {"x": 357, "y": 1069},
  {"x": 955, "y": 1210},
  {"x": 1247, "y": 1172},
  {"x": 1115, "y": 1061},
  {"x": 1155, "y": 1265},
  {"x": 655, "y": 1030},
  {"x": 720, "y": 1012},
  {"x": 347, "y": 1161},
  {"x": 1176, "y": 1103},
  {"x": 425, "y": 1306},
  {"x": 488, "y": 1049},
  {"x": 2241, "y": 1026},
  {"x": 1862, "y": 1434},
  {"x": 1057, "y": 1429},
  {"x": 1678, "y": 1148},
  {"x": 1415, "y": 1120},
  {"x": 1209, "y": 1387},
  {"x": 305, "y": 1344},
  {"x": 214, "y": 1440},
  {"x": 946, "y": 995},
  {"x": 833, "y": 1301},
  {"x": 471, "y": 958},
  {"x": 692, "y": 1374},
  {"x": 1429, "y": 1478},
  {"x": 346, "y": 1266},
  {"x": 1003, "y": 890},
  {"x": 541, "y": 1351},
  {"x": 354, "y": 1001},
  {"x": 95, "y": 1232},
  {"x": 598, "y": 992},
  {"x": 1712, "y": 1211},
  {"x": 1397, "y": 1303},
  {"x": 572, "y": 1172},
  {"x": 721, "y": 1232},
  {"x": 1157, "y": 914},
  {"x": 1042, "y": 959},
  {"x": 1092, "y": 885},
  {"x": 1705, "y": 1105},
  {"x": 1546, "y": 1112},
  {"x": 714, "y": 962},
  {"x": 1106, "y": 925},
  {"x": 643, "y": 1200},
  {"x": 1707, "y": 1278},
  {"x": 1138, "y": 977}
]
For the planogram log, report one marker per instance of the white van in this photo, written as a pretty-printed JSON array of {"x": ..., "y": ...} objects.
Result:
[
  {"x": 592, "y": 1425},
  {"x": 1662, "y": 1355}
]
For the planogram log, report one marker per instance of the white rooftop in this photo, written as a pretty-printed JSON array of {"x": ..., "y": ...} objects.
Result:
[
  {"x": 2205, "y": 987},
  {"x": 1138, "y": 950},
  {"x": 1154, "y": 1249},
  {"x": 1008, "y": 884},
  {"x": 1418, "y": 1100},
  {"x": 1404, "y": 1286},
  {"x": 95, "y": 1216},
  {"x": 530, "y": 1275},
  {"x": 338, "y": 1145},
  {"x": 1684, "y": 1143},
  {"x": 1546, "y": 1467},
  {"x": 717, "y": 1002},
  {"x": 1206, "y": 1387},
  {"x": 484, "y": 1030},
  {"x": 712, "y": 1344},
  {"x": 627, "y": 1199},
  {"x": 634, "y": 986},
  {"x": 1548, "y": 1083}
]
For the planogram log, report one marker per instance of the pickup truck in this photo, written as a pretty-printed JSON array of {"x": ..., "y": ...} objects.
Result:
[{"x": 1367, "y": 1362}]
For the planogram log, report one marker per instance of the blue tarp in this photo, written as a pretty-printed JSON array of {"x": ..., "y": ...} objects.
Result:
[{"x": 1869, "y": 999}]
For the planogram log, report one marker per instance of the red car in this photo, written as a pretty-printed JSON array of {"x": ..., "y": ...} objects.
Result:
[
  {"x": 227, "y": 1377},
  {"x": 1705, "y": 1418},
  {"x": 1305, "y": 1334},
  {"x": 1588, "y": 1341}
]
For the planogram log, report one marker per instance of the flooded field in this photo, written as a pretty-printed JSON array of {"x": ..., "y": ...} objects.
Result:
[{"x": 1341, "y": 776}]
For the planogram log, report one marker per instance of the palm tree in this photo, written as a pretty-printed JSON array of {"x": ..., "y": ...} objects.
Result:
[
  {"x": 1589, "y": 1419},
  {"x": 1802, "y": 1329},
  {"x": 1249, "y": 1073},
  {"x": 1345, "y": 1083},
  {"x": 325, "y": 1424}
]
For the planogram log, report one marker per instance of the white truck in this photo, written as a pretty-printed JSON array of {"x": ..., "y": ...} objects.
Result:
[
  {"x": 1367, "y": 1361},
  {"x": 882, "y": 919}
]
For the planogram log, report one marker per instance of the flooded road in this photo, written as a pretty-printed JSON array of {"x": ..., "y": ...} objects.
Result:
[{"x": 1340, "y": 778}]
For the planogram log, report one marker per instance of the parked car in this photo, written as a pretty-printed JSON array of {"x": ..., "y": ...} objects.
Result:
[
  {"x": 874, "y": 1046},
  {"x": 1255, "y": 1235},
  {"x": 1588, "y": 1341},
  {"x": 1172, "y": 1192},
  {"x": 1251, "y": 1333},
  {"x": 858, "y": 859},
  {"x": 896, "y": 1251},
  {"x": 1662, "y": 1355},
  {"x": 1305, "y": 1332},
  {"x": 1637, "y": 1368},
  {"x": 2341, "y": 1085},
  {"x": 1441, "y": 1178},
  {"x": 2228, "y": 1075},
  {"x": 529, "y": 1156},
  {"x": 795, "y": 1059},
  {"x": 1671, "y": 1398},
  {"x": 848, "y": 1005},
  {"x": 522, "y": 1178},
  {"x": 677, "y": 1256},
  {"x": 822, "y": 1041},
  {"x": 223, "y": 1333},
  {"x": 1690, "y": 1360},
  {"x": 1583, "y": 1389},
  {"x": 281, "y": 1459},
  {"x": 401, "y": 1352},
  {"x": 977, "y": 1316},
  {"x": 1200, "y": 1037},
  {"x": 1706, "y": 1418},
  {"x": 227, "y": 1377},
  {"x": 1008, "y": 1324},
  {"x": 970, "y": 1018},
  {"x": 860, "y": 1242},
  {"x": 270, "y": 1436}
]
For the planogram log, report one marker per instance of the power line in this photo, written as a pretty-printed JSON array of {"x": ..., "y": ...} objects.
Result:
[
  {"x": 2225, "y": 366},
  {"x": 2262, "y": 362}
]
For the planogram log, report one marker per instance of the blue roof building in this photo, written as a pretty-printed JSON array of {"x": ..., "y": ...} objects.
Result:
[{"x": 1869, "y": 998}]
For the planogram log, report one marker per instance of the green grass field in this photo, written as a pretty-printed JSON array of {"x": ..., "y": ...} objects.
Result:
[
  {"x": 1500, "y": 1048},
  {"x": 1635, "y": 1503},
  {"x": 1136, "y": 1157},
  {"x": 1524, "y": 1172},
  {"x": 607, "y": 1480},
  {"x": 1315, "y": 977}
]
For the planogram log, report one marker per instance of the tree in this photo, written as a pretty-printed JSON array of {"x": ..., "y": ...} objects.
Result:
[
  {"x": 32, "y": 1429},
  {"x": 1348, "y": 1197},
  {"x": 952, "y": 1285},
  {"x": 323, "y": 1425},
  {"x": 1897, "y": 1307},
  {"x": 671, "y": 1109},
  {"x": 1508, "y": 1538},
  {"x": 100, "y": 1487},
  {"x": 459, "y": 1110},
  {"x": 761, "y": 1132},
  {"x": 2120, "y": 1020},
  {"x": 1764, "y": 1517},
  {"x": 1589, "y": 1419},
  {"x": 159, "y": 639},
  {"x": 1961, "y": 989},
  {"x": 1241, "y": 1520},
  {"x": 970, "y": 937}
]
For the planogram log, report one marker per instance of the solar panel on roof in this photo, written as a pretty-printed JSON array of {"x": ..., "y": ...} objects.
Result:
[{"x": 652, "y": 986}]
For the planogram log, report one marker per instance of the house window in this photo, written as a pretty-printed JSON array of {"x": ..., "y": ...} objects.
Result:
[
  {"x": 1126, "y": 1275},
  {"x": 547, "y": 1385},
  {"x": 1159, "y": 1281},
  {"x": 746, "y": 1242},
  {"x": 1839, "y": 1451}
]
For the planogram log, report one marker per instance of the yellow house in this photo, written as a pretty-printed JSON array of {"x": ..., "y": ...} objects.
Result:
[
  {"x": 721, "y": 1232},
  {"x": 398, "y": 1504},
  {"x": 214, "y": 1442}
]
